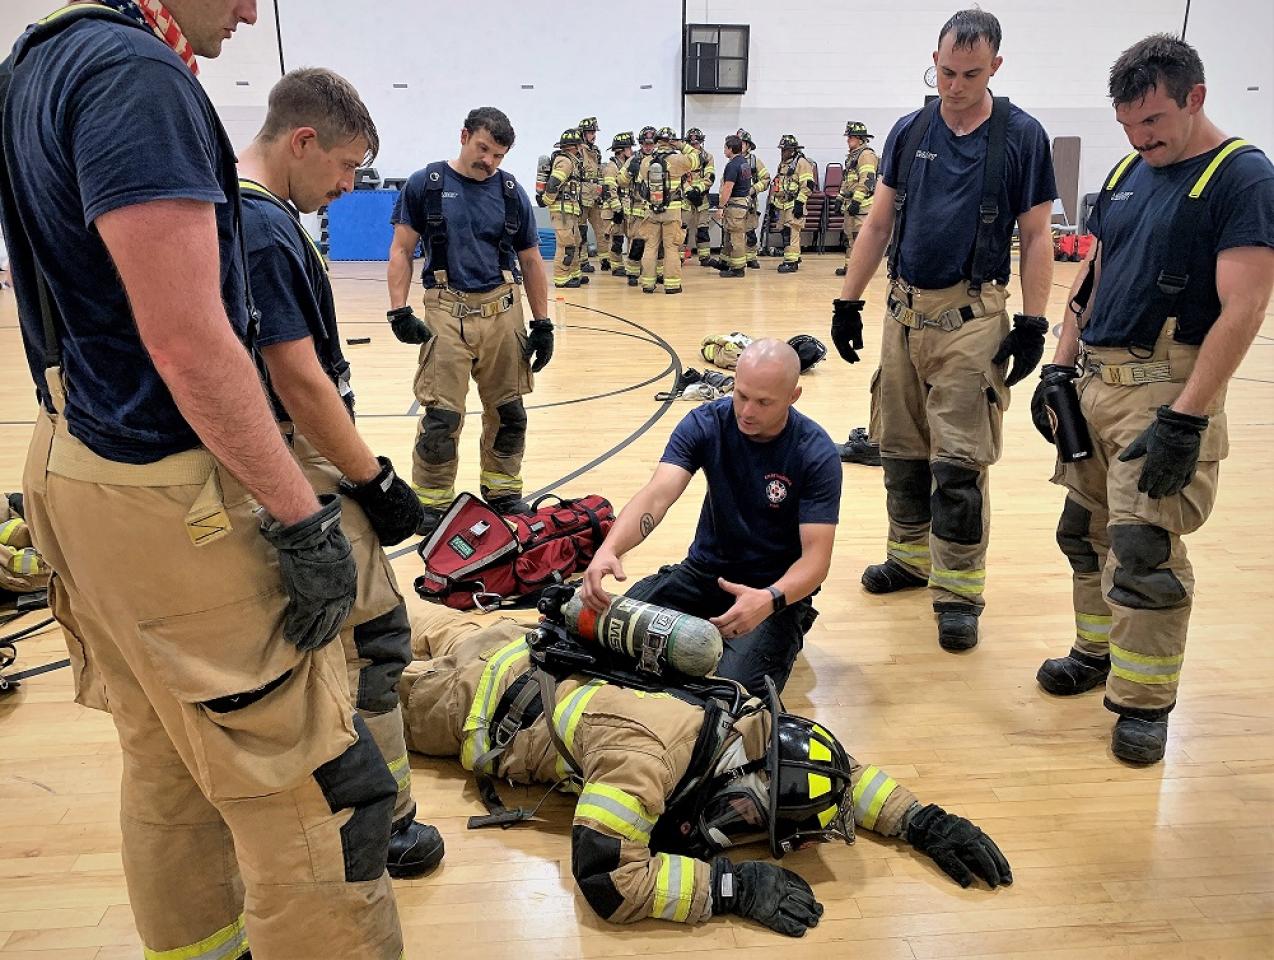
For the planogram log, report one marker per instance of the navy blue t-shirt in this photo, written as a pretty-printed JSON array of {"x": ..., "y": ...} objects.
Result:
[
  {"x": 758, "y": 493},
  {"x": 945, "y": 189},
  {"x": 290, "y": 289},
  {"x": 104, "y": 116},
  {"x": 738, "y": 173},
  {"x": 474, "y": 212},
  {"x": 1134, "y": 225}
]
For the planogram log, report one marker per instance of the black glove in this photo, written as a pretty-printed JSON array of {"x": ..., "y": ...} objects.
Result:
[
  {"x": 1025, "y": 344},
  {"x": 318, "y": 571},
  {"x": 540, "y": 201},
  {"x": 798, "y": 210},
  {"x": 695, "y": 196},
  {"x": 1171, "y": 448},
  {"x": 634, "y": 168},
  {"x": 1050, "y": 374},
  {"x": 408, "y": 327},
  {"x": 847, "y": 328},
  {"x": 764, "y": 892},
  {"x": 853, "y": 207},
  {"x": 539, "y": 344},
  {"x": 391, "y": 505},
  {"x": 618, "y": 217},
  {"x": 836, "y": 207},
  {"x": 959, "y": 847}
]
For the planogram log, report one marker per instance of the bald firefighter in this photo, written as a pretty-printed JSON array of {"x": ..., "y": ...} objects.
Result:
[
  {"x": 792, "y": 188},
  {"x": 562, "y": 195},
  {"x": 857, "y": 186},
  {"x": 670, "y": 775},
  {"x": 661, "y": 178}
]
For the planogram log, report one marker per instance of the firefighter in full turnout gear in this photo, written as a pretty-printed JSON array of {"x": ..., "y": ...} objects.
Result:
[
  {"x": 637, "y": 215},
  {"x": 661, "y": 179},
  {"x": 858, "y": 184},
  {"x": 592, "y": 195},
  {"x": 562, "y": 195},
  {"x": 793, "y": 185},
  {"x": 670, "y": 777},
  {"x": 615, "y": 198},
  {"x": 1162, "y": 313},
  {"x": 946, "y": 204},
  {"x": 286, "y": 170},
  {"x": 760, "y": 184},
  {"x": 698, "y": 206}
]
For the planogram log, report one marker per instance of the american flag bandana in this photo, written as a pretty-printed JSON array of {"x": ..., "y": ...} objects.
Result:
[{"x": 153, "y": 14}]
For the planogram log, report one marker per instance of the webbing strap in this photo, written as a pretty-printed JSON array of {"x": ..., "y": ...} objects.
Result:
[
  {"x": 436, "y": 223},
  {"x": 983, "y": 262},
  {"x": 919, "y": 127}
]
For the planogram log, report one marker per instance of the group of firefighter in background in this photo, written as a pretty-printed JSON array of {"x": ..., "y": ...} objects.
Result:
[{"x": 651, "y": 199}]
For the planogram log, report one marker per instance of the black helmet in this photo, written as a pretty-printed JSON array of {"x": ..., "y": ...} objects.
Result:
[
  {"x": 789, "y": 142},
  {"x": 694, "y": 136},
  {"x": 809, "y": 349},
  {"x": 622, "y": 140},
  {"x": 647, "y": 135},
  {"x": 856, "y": 128},
  {"x": 587, "y": 124},
  {"x": 745, "y": 137},
  {"x": 570, "y": 138},
  {"x": 666, "y": 133},
  {"x": 792, "y": 796}
]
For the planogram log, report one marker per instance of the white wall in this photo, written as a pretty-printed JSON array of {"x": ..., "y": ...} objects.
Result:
[{"x": 866, "y": 59}]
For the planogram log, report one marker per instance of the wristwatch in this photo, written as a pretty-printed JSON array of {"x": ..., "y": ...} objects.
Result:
[{"x": 780, "y": 601}]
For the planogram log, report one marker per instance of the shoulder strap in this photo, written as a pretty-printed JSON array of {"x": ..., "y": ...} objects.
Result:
[
  {"x": 919, "y": 127},
  {"x": 435, "y": 222},
  {"x": 992, "y": 184},
  {"x": 512, "y": 223},
  {"x": 253, "y": 189},
  {"x": 1079, "y": 303}
]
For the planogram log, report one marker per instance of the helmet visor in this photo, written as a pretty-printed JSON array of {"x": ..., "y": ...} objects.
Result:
[{"x": 738, "y": 813}]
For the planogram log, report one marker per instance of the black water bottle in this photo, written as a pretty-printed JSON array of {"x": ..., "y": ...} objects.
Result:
[{"x": 1070, "y": 432}]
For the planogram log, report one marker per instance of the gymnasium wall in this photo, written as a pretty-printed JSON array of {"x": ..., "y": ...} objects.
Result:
[{"x": 814, "y": 65}]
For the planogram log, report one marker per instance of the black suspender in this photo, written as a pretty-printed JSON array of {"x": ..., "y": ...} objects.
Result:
[{"x": 435, "y": 232}]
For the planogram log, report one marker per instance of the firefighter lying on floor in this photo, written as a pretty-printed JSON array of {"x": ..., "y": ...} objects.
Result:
[{"x": 671, "y": 774}]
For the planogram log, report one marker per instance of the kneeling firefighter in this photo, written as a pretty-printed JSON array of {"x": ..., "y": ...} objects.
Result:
[{"x": 671, "y": 771}]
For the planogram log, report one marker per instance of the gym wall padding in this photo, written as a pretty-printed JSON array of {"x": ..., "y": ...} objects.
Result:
[{"x": 358, "y": 225}]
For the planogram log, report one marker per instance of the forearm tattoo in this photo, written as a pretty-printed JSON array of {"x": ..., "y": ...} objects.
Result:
[{"x": 646, "y": 524}]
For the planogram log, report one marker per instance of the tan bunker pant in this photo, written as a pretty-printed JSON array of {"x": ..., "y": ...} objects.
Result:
[
  {"x": 568, "y": 257},
  {"x": 698, "y": 239},
  {"x": 255, "y": 807},
  {"x": 487, "y": 343},
  {"x": 941, "y": 403},
  {"x": 592, "y": 218},
  {"x": 662, "y": 231},
  {"x": 734, "y": 245},
  {"x": 1133, "y": 584}
]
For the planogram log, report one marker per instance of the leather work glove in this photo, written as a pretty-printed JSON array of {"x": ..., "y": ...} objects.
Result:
[
  {"x": 847, "y": 328},
  {"x": 764, "y": 892},
  {"x": 408, "y": 327},
  {"x": 1171, "y": 448},
  {"x": 540, "y": 201},
  {"x": 852, "y": 207},
  {"x": 694, "y": 195},
  {"x": 539, "y": 344},
  {"x": 1050, "y": 374},
  {"x": 1025, "y": 344},
  {"x": 618, "y": 217},
  {"x": 391, "y": 505},
  {"x": 959, "y": 847},
  {"x": 318, "y": 571},
  {"x": 798, "y": 210}
]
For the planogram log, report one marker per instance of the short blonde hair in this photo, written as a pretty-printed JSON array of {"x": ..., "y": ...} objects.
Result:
[{"x": 318, "y": 98}]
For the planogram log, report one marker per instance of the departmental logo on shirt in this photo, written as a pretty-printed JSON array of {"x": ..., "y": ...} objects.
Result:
[
  {"x": 926, "y": 155},
  {"x": 776, "y": 488},
  {"x": 1122, "y": 195}
]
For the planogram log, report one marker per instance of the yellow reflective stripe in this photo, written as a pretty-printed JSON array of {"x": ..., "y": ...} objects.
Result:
[
  {"x": 619, "y": 812},
  {"x": 1144, "y": 668},
  {"x": 566, "y": 717},
  {"x": 908, "y": 549},
  {"x": 435, "y": 496},
  {"x": 819, "y": 784},
  {"x": 865, "y": 168},
  {"x": 870, "y": 793},
  {"x": 228, "y": 943},
  {"x": 964, "y": 583},
  {"x": 26, "y": 562},
  {"x": 674, "y": 888},
  {"x": 57, "y": 13},
  {"x": 8, "y": 528},
  {"x": 1119, "y": 170},
  {"x": 500, "y": 482},
  {"x": 251, "y": 186},
  {"x": 401, "y": 769},
  {"x": 1211, "y": 168},
  {"x": 478, "y": 723},
  {"x": 1093, "y": 627}
]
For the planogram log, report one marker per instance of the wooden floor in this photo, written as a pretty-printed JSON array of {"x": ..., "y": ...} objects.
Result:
[{"x": 1173, "y": 861}]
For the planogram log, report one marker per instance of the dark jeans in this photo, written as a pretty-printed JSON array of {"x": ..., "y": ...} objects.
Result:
[{"x": 770, "y": 649}]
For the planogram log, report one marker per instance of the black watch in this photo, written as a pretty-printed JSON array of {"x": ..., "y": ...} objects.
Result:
[{"x": 780, "y": 601}]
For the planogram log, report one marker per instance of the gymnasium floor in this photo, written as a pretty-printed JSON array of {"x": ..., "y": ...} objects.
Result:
[{"x": 1171, "y": 861}]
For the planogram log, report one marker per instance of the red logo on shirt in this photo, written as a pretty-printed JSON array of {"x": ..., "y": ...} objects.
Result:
[{"x": 776, "y": 488}]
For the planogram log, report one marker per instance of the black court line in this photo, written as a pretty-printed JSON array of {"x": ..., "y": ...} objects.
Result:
[{"x": 664, "y": 407}]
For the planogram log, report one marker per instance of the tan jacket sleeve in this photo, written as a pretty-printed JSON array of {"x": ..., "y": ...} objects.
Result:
[
  {"x": 561, "y": 172},
  {"x": 863, "y": 183},
  {"x": 880, "y": 801},
  {"x": 805, "y": 177}
]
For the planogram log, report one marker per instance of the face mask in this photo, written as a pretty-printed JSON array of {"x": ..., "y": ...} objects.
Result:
[{"x": 737, "y": 812}]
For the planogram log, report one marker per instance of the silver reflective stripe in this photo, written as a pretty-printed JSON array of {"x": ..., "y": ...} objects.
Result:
[
  {"x": 867, "y": 793},
  {"x": 673, "y": 892}
]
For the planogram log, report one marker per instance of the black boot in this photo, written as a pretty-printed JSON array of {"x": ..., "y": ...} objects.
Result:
[
  {"x": 632, "y": 281},
  {"x": 619, "y": 272},
  {"x": 429, "y": 520},
  {"x": 957, "y": 629},
  {"x": 573, "y": 282},
  {"x": 892, "y": 576},
  {"x": 413, "y": 848},
  {"x": 583, "y": 280},
  {"x": 586, "y": 267},
  {"x": 787, "y": 267},
  {"x": 605, "y": 265},
  {"x": 507, "y": 503},
  {"x": 840, "y": 271},
  {"x": 733, "y": 272},
  {"x": 859, "y": 448},
  {"x": 1074, "y": 673},
  {"x": 1139, "y": 741},
  {"x": 659, "y": 280},
  {"x": 754, "y": 264}
]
